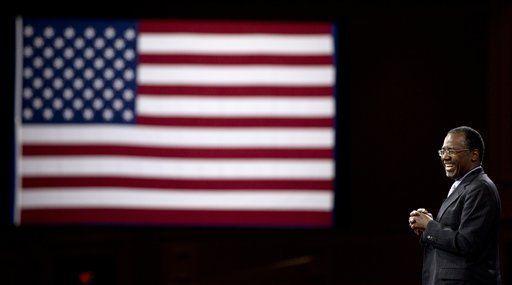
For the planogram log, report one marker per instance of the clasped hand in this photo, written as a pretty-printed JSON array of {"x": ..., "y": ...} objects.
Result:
[{"x": 418, "y": 220}]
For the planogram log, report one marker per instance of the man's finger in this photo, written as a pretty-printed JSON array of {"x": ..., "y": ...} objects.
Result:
[
  {"x": 416, "y": 226},
  {"x": 422, "y": 210}
]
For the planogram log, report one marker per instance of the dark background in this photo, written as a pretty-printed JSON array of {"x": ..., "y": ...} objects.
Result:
[{"x": 407, "y": 73}]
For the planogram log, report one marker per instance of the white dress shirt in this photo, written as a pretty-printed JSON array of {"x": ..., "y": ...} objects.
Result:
[{"x": 458, "y": 181}]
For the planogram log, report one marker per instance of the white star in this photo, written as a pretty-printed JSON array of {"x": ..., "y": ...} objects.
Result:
[
  {"x": 129, "y": 54},
  {"x": 69, "y": 33},
  {"x": 99, "y": 63},
  {"x": 58, "y": 63},
  {"x": 58, "y": 83},
  {"x": 68, "y": 94},
  {"x": 47, "y": 93},
  {"x": 58, "y": 43},
  {"x": 28, "y": 31},
  {"x": 108, "y": 73},
  {"x": 78, "y": 104},
  {"x": 129, "y": 34},
  {"x": 47, "y": 73},
  {"x": 119, "y": 44},
  {"x": 47, "y": 114},
  {"x": 69, "y": 53},
  {"x": 28, "y": 113},
  {"x": 127, "y": 115},
  {"x": 88, "y": 94},
  {"x": 27, "y": 93},
  {"x": 118, "y": 84},
  {"x": 118, "y": 64},
  {"x": 108, "y": 94},
  {"x": 110, "y": 33},
  {"x": 128, "y": 75},
  {"x": 38, "y": 62},
  {"x": 78, "y": 63},
  {"x": 78, "y": 84},
  {"x": 97, "y": 104},
  {"x": 89, "y": 53},
  {"x": 108, "y": 114},
  {"x": 37, "y": 103},
  {"x": 37, "y": 83},
  {"x": 79, "y": 43},
  {"x": 68, "y": 73},
  {"x": 88, "y": 73},
  {"x": 57, "y": 104},
  {"x": 99, "y": 43},
  {"x": 48, "y": 32},
  {"x": 128, "y": 95},
  {"x": 89, "y": 33},
  {"x": 28, "y": 52},
  {"x": 48, "y": 52},
  {"x": 68, "y": 114},
  {"x": 88, "y": 114},
  {"x": 117, "y": 104},
  {"x": 27, "y": 72},
  {"x": 98, "y": 84},
  {"x": 109, "y": 53},
  {"x": 38, "y": 42}
]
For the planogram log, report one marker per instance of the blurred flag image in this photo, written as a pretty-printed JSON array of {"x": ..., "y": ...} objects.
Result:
[{"x": 181, "y": 123}]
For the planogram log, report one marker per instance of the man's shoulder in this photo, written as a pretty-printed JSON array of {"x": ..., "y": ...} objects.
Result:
[{"x": 481, "y": 182}]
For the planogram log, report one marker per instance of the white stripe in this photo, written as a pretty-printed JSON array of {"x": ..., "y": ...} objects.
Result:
[
  {"x": 177, "y": 168},
  {"x": 131, "y": 135},
  {"x": 179, "y": 74},
  {"x": 235, "y": 107},
  {"x": 157, "y": 199},
  {"x": 239, "y": 44}
]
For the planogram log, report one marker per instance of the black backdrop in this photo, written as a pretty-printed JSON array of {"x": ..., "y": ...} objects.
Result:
[{"x": 407, "y": 73}]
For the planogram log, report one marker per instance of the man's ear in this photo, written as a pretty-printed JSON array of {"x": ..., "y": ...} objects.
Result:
[{"x": 475, "y": 155}]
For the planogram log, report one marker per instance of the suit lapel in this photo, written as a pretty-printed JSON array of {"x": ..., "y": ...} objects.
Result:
[{"x": 457, "y": 192}]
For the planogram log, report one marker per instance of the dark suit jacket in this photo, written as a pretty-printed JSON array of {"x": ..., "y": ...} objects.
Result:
[{"x": 461, "y": 244}]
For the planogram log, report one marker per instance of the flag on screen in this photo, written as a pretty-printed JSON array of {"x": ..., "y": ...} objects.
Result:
[{"x": 194, "y": 123}]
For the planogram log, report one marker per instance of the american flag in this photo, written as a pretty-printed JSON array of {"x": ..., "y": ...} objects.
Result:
[{"x": 194, "y": 123}]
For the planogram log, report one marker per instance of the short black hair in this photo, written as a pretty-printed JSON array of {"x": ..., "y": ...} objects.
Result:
[{"x": 473, "y": 139}]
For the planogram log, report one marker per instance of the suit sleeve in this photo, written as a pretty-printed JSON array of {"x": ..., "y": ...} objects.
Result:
[{"x": 478, "y": 217}]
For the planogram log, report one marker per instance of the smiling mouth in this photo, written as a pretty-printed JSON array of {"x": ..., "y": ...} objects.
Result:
[{"x": 449, "y": 167}]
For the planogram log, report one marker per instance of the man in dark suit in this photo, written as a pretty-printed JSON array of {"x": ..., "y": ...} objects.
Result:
[{"x": 461, "y": 243}]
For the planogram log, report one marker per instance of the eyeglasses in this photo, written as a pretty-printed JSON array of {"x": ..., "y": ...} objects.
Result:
[{"x": 450, "y": 151}]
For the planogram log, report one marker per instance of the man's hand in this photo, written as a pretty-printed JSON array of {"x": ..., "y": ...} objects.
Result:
[{"x": 418, "y": 220}]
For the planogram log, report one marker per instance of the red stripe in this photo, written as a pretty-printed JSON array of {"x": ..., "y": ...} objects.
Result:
[
  {"x": 234, "y": 91},
  {"x": 235, "y": 122},
  {"x": 38, "y": 182},
  {"x": 233, "y": 27},
  {"x": 248, "y": 153},
  {"x": 183, "y": 218},
  {"x": 213, "y": 59}
]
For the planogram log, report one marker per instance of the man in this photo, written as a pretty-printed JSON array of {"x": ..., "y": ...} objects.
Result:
[{"x": 461, "y": 243}]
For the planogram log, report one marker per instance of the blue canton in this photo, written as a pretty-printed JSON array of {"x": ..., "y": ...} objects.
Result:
[{"x": 83, "y": 72}]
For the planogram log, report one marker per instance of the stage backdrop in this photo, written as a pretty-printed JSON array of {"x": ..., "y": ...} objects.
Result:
[{"x": 195, "y": 123}]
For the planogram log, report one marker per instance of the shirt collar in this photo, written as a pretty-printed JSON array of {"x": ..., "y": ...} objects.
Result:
[
  {"x": 458, "y": 181},
  {"x": 472, "y": 170}
]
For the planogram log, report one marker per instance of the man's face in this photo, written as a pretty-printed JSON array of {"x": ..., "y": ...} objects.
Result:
[{"x": 459, "y": 163}]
